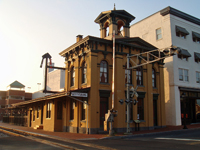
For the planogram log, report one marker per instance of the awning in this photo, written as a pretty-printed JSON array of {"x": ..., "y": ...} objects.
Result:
[
  {"x": 183, "y": 30},
  {"x": 195, "y": 35},
  {"x": 184, "y": 52},
  {"x": 196, "y": 55},
  {"x": 189, "y": 89}
]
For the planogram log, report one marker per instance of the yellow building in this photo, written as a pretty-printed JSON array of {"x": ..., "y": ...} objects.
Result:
[{"x": 89, "y": 67}]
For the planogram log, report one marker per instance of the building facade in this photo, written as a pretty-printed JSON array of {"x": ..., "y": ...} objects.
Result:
[
  {"x": 88, "y": 70},
  {"x": 15, "y": 94},
  {"x": 182, "y": 71}
]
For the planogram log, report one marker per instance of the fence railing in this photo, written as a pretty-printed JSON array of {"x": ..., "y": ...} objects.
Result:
[{"x": 16, "y": 120}]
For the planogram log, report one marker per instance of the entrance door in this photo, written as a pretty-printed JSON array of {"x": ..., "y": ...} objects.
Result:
[
  {"x": 103, "y": 109},
  {"x": 42, "y": 114},
  {"x": 155, "y": 116},
  {"x": 30, "y": 121}
]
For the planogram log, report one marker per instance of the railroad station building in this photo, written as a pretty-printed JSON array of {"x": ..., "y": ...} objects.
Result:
[{"x": 88, "y": 69}]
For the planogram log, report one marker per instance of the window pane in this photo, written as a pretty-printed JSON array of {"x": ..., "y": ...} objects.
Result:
[
  {"x": 180, "y": 72},
  {"x": 186, "y": 75},
  {"x": 103, "y": 71},
  {"x": 186, "y": 72}
]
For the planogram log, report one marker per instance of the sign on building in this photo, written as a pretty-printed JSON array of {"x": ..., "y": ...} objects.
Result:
[{"x": 78, "y": 94}]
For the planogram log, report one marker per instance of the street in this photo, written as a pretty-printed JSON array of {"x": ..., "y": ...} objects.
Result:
[
  {"x": 185, "y": 139},
  {"x": 16, "y": 142},
  {"x": 173, "y": 140}
]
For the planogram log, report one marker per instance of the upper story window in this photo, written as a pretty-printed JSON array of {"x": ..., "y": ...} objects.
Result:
[
  {"x": 183, "y": 75},
  {"x": 197, "y": 77},
  {"x": 158, "y": 34},
  {"x": 196, "y": 37},
  {"x": 197, "y": 57},
  {"x": 84, "y": 72},
  {"x": 103, "y": 72},
  {"x": 72, "y": 76},
  {"x": 139, "y": 76},
  {"x": 129, "y": 72},
  {"x": 183, "y": 54},
  {"x": 181, "y": 32},
  {"x": 153, "y": 78}
]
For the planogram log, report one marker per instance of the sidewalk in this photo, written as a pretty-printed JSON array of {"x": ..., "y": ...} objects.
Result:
[{"x": 78, "y": 136}]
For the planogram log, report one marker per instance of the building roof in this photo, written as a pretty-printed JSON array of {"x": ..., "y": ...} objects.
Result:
[
  {"x": 134, "y": 42},
  {"x": 175, "y": 12},
  {"x": 106, "y": 14},
  {"x": 16, "y": 84},
  {"x": 180, "y": 14}
]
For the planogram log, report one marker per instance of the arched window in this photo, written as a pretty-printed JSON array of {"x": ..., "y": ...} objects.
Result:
[
  {"x": 84, "y": 72},
  {"x": 120, "y": 28},
  {"x": 139, "y": 76},
  {"x": 72, "y": 76},
  {"x": 129, "y": 72},
  {"x": 103, "y": 72},
  {"x": 153, "y": 77},
  {"x": 106, "y": 26}
]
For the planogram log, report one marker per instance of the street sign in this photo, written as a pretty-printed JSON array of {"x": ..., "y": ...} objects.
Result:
[
  {"x": 78, "y": 94},
  {"x": 134, "y": 91}
]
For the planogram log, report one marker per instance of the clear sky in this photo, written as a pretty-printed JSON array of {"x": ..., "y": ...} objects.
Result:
[{"x": 30, "y": 28}]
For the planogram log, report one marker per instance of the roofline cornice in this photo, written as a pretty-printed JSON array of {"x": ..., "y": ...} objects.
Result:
[
  {"x": 88, "y": 39},
  {"x": 180, "y": 14}
]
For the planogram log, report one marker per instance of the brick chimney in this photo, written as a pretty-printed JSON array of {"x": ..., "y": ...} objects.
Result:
[{"x": 78, "y": 38}]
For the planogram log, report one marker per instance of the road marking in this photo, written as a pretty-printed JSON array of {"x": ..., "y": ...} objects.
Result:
[{"x": 179, "y": 139}]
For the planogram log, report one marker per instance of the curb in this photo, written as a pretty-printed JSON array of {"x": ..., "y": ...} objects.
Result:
[{"x": 149, "y": 134}]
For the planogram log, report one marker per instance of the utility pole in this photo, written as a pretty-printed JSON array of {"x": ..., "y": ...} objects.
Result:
[{"x": 128, "y": 97}]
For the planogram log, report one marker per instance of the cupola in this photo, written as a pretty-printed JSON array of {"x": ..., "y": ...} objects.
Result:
[{"x": 118, "y": 20}]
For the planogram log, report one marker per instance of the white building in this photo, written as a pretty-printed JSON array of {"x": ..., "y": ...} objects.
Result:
[
  {"x": 55, "y": 83},
  {"x": 182, "y": 72}
]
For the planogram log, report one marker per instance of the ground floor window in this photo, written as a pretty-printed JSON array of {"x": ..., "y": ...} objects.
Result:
[
  {"x": 38, "y": 110},
  {"x": 140, "y": 109},
  {"x": 190, "y": 106},
  {"x": 33, "y": 114},
  {"x": 84, "y": 106},
  {"x": 72, "y": 107},
  {"x": 59, "y": 110},
  {"x": 103, "y": 109},
  {"x": 48, "y": 113}
]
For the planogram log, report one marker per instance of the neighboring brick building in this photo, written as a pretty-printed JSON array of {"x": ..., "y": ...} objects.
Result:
[{"x": 15, "y": 93}]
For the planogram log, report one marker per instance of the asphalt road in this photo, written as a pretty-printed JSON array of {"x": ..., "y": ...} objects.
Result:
[
  {"x": 176, "y": 140},
  {"x": 20, "y": 143}
]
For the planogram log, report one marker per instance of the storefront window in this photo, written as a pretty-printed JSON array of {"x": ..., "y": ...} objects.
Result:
[{"x": 198, "y": 109}]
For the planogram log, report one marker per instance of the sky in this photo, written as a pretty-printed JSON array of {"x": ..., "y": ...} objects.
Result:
[{"x": 31, "y": 28}]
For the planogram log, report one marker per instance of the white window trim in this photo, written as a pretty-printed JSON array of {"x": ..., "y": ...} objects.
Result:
[
  {"x": 183, "y": 72},
  {"x": 198, "y": 78},
  {"x": 158, "y": 34}
]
